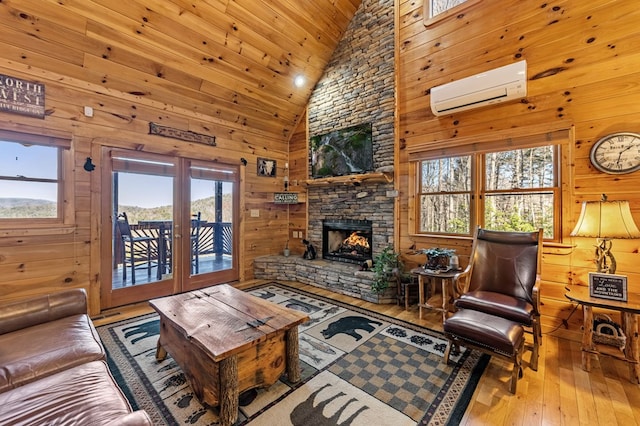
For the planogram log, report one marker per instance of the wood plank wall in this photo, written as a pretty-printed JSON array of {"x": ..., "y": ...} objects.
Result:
[
  {"x": 33, "y": 263},
  {"x": 219, "y": 68},
  {"x": 582, "y": 75},
  {"x": 298, "y": 174}
]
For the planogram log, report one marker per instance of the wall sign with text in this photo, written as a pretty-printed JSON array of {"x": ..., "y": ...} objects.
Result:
[
  {"x": 21, "y": 96},
  {"x": 608, "y": 286},
  {"x": 285, "y": 198}
]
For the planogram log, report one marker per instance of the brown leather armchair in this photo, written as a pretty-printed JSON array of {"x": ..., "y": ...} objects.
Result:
[{"x": 503, "y": 279}]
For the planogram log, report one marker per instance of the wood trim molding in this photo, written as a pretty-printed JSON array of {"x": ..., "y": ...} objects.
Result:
[
  {"x": 454, "y": 11},
  {"x": 542, "y": 134},
  {"x": 378, "y": 177}
]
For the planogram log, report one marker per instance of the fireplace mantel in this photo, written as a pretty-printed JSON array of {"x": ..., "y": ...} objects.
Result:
[{"x": 376, "y": 177}]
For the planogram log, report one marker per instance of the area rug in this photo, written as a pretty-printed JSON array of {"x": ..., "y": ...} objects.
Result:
[{"x": 358, "y": 368}]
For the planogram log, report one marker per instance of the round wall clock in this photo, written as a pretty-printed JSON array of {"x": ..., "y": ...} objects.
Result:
[{"x": 617, "y": 153}]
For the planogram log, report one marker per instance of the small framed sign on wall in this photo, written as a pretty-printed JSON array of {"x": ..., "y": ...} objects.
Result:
[
  {"x": 608, "y": 286},
  {"x": 20, "y": 96},
  {"x": 266, "y": 167}
]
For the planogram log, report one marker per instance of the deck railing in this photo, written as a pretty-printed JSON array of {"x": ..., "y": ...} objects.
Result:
[{"x": 213, "y": 238}]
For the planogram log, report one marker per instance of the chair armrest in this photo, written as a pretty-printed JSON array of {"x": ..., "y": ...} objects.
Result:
[
  {"x": 535, "y": 295},
  {"x": 37, "y": 310},
  {"x": 461, "y": 281}
]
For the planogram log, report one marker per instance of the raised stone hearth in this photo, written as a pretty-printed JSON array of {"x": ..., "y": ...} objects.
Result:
[{"x": 343, "y": 278}]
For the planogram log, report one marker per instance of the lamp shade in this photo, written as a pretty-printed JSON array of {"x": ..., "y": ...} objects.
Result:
[{"x": 606, "y": 219}]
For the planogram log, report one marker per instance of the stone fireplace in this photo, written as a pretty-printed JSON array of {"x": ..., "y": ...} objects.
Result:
[
  {"x": 347, "y": 240},
  {"x": 345, "y": 96}
]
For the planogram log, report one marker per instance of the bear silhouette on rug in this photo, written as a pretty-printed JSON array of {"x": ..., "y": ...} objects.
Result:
[{"x": 349, "y": 325}]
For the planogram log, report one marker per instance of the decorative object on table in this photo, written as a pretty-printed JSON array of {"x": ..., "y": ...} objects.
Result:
[
  {"x": 605, "y": 220},
  {"x": 437, "y": 258},
  {"x": 454, "y": 263},
  {"x": 617, "y": 153},
  {"x": 386, "y": 267},
  {"x": 286, "y": 249},
  {"x": 608, "y": 332},
  {"x": 608, "y": 286},
  {"x": 266, "y": 167},
  {"x": 310, "y": 253}
]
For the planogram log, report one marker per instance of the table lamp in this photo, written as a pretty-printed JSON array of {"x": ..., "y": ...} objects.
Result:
[{"x": 605, "y": 220}]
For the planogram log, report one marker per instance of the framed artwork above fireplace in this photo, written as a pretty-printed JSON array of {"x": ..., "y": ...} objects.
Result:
[{"x": 342, "y": 152}]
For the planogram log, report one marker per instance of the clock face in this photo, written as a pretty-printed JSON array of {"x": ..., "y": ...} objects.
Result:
[{"x": 617, "y": 153}]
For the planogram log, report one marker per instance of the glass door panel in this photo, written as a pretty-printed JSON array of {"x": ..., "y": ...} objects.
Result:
[
  {"x": 212, "y": 210},
  {"x": 141, "y": 205},
  {"x": 173, "y": 226},
  {"x": 143, "y": 239}
]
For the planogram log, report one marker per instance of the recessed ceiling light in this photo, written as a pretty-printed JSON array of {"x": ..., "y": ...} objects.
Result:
[{"x": 299, "y": 81}]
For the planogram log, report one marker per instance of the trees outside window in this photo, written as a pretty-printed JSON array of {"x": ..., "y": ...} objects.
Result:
[
  {"x": 515, "y": 190},
  {"x": 445, "y": 195}
]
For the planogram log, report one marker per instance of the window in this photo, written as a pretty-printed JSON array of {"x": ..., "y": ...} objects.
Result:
[
  {"x": 515, "y": 190},
  {"x": 436, "y": 11},
  {"x": 437, "y": 7},
  {"x": 445, "y": 195},
  {"x": 31, "y": 170}
]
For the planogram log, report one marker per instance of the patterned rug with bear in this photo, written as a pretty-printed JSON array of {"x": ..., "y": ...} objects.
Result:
[{"x": 358, "y": 368}]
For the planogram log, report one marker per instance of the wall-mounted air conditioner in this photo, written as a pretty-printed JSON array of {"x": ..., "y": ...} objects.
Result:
[{"x": 491, "y": 87}]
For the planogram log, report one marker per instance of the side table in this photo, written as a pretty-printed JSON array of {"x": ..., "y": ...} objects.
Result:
[
  {"x": 448, "y": 292},
  {"x": 629, "y": 312}
]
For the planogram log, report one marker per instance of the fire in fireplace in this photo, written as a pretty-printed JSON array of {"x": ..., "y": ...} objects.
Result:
[{"x": 346, "y": 240}]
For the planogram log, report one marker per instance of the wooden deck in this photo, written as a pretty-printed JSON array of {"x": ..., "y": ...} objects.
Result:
[{"x": 207, "y": 263}]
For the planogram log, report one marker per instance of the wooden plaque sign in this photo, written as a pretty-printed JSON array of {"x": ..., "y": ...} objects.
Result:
[
  {"x": 185, "y": 135},
  {"x": 608, "y": 286},
  {"x": 285, "y": 198},
  {"x": 21, "y": 96}
]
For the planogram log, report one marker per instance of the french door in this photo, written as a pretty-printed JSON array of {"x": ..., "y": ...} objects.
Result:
[{"x": 172, "y": 225}]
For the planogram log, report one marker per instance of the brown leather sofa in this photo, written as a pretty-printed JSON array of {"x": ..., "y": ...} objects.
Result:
[{"x": 52, "y": 366}]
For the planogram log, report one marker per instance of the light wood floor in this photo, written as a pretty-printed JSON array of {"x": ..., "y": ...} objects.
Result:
[{"x": 559, "y": 393}]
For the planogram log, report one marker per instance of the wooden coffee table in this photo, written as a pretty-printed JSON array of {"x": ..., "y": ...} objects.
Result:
[{"x": 228, "y": 341}]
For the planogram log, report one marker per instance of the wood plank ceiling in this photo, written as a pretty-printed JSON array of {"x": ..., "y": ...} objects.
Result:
[{"x": 234, "y": 60}]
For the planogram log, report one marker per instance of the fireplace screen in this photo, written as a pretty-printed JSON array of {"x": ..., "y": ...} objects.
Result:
[{"x": 346, "y": 240}]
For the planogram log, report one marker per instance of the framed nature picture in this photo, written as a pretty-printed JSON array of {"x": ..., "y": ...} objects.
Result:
[
  {"x": 266, "y": 167},
  {"x": 342, "y": 152}
]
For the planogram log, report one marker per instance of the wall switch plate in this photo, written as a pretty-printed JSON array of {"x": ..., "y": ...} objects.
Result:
[
  {"x": 88, "y": 111},
  {"x": 255, "y": 213}
]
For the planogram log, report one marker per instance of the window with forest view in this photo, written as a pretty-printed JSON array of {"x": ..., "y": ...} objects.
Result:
[
  {"x": 515, "y": 190},
  {"x": 29, "y": 181}
]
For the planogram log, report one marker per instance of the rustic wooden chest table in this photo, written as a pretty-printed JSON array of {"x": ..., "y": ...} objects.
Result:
[{"x": 228, "y": 341}]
